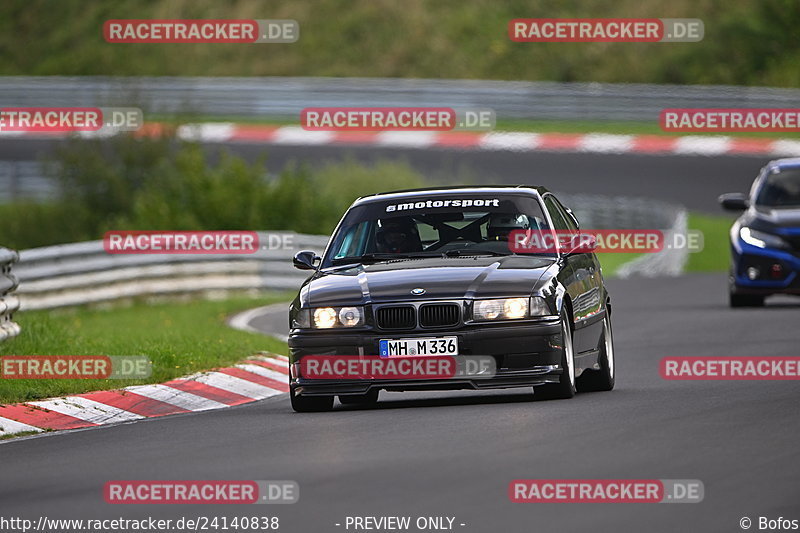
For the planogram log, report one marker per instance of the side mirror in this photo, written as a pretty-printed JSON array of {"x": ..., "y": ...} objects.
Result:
[
  {"x": 734, "y": 201},
  {"x": 581, "y": 243},
  {"x": 305, "y": 260}
]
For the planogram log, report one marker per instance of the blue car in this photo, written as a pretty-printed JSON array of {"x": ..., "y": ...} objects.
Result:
[{"x": 765, "y": 239}]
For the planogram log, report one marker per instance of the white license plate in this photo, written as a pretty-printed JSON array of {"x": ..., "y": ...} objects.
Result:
[{"x": 418, "y": 347}]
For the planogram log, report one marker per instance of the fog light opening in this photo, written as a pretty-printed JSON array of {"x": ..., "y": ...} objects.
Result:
[{"x": 753, "y": 273}]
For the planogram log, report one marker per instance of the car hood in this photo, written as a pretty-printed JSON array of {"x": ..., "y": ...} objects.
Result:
[
  {"x": 773, "y": 220},
  {"x": 441, "y": 278},
  {"x": 787, "y": 217}
]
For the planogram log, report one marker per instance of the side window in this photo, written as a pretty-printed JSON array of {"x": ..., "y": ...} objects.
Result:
[{"x": 354, "y": 241}]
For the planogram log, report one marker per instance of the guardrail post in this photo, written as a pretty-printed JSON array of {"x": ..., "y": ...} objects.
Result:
[{"x": 9, "y": 303}]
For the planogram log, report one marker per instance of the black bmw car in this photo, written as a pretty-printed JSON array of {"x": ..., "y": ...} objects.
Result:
[{"x": 434, "y": 272}]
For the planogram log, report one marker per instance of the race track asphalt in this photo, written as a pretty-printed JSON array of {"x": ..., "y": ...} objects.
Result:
[
  {"x": 694, "y": 181},
  {"x": 454, "y": 454}
]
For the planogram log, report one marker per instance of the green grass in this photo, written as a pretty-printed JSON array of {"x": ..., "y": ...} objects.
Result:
[
  {"x": 179, "y": 339},
  {"x": 745, "y": 42},
  {"x": 716, "y": 255},
  {"x": 610, "y": 262},
  {"x": 20, "y": 434}
]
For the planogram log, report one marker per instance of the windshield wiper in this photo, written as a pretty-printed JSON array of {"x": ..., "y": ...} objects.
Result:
[
  {"x": 459, "y": 253},
  {"x": 366, "y": 258}
]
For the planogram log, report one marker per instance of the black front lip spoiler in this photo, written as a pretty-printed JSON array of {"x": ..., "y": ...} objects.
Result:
[{"x": 504, "y": 379}]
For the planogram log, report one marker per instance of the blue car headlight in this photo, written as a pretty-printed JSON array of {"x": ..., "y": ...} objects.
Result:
[{"x": 761, "y": 239}]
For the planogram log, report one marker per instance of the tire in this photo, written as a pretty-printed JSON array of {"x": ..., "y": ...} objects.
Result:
[
  {"x": 745, "y": 300},
  {"x": 310, "y": 404},
  {"x": 565, "y": 388},
  {"x": 364, "y": 400},
  {"x": 742, "y": 300},
  {"x": 603, "y": 379}
]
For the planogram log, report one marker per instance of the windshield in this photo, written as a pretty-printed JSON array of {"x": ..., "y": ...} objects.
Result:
[
  {"x": 435, "y": 227},
  {"x": 781, "y": 189}
]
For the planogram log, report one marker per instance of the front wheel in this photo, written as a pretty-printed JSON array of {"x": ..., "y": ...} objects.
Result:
[
  {"x": 742, "y": 300},
  {"x": 745, "y": 300},
  {"x": 310, "y": 404},
  {"x": 602, "y": 379},
  {"x": 565, "y": 388}
]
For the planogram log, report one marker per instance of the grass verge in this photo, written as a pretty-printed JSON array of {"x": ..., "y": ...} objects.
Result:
[
  {"x": 610, "y": 263},
  {"x": 716, "y": 255},
  {"x": 179, "y": 339}
]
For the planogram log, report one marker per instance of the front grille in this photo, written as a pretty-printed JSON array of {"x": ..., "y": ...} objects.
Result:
[
  {"x": 396, "y": 317},
  {"x": 434, "y": 315}
]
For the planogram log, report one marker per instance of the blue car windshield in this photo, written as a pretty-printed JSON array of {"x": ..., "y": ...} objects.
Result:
[{"x": 780, "y": 189}]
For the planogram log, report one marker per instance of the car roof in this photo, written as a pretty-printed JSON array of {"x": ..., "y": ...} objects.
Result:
[
  {"x": 788, "y": 162},
  {"x": 442, "y": 191}
]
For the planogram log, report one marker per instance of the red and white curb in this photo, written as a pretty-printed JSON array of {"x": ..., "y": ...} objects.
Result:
[
  {"x": 256, "y": 378},
  {"x": 495, "y": 141},
  {"x": 601, "y": 143}
]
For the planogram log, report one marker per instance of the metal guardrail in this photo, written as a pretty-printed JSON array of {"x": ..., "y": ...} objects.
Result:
[
  {"x": 9, "y": 303},
  {"x": 26, "y": 180},
  {"x": 83, "y": 273},
  {"x": 621, "y": 212},
  {"x": 286, "y": 96},
  {"x": 636, "y": 213}
]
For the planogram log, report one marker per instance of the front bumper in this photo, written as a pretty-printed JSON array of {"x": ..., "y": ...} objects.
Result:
[
  {"x": 525, "y": 354},
  {"x": 746, "y": 256}
]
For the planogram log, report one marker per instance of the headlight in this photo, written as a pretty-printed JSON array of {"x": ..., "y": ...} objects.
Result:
[
  {"x": 350, "y": 316},
  {"x": 515, "y": 308},
  {"x": 324, "y": 317},
  {"x": 488, "y": 309},
  {"x": 337, "y": 317},
  {"x": 510, "y": 308},
  {"x": 760, "y": 238}
]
